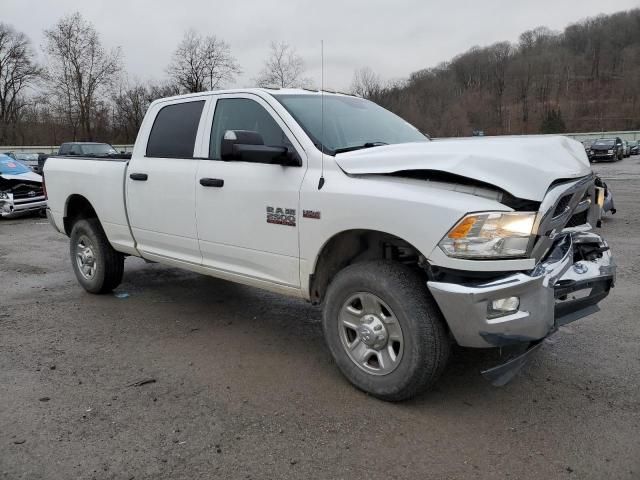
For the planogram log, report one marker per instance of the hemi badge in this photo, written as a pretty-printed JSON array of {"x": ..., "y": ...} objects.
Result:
[{"x": 311, "y": 214}]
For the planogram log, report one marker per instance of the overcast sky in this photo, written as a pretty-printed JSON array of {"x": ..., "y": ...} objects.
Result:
[{"x": 394, "y": 38}]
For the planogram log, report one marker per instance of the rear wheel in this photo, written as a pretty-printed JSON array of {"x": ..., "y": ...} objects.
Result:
[
  {"x": 384, "y": 330},
  {"x": 98, "y": 267}
]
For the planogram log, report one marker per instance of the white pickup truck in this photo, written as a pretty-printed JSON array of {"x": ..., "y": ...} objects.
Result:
[{"x": 411, "y": 244}]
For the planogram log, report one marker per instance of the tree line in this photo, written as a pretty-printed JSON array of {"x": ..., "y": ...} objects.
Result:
[
  {"x": 586, "y": 78},
  {"x": 81, "y": 91}
]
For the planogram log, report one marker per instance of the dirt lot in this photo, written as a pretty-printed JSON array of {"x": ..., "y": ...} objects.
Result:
[{"x": 244, "y": 387}]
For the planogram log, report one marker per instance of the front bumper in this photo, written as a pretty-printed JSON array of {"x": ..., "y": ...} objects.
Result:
[
  {"x": 9, "y": 207},
  {"x": 602, "y": 156},
  {"x": 560, "y": 289}
]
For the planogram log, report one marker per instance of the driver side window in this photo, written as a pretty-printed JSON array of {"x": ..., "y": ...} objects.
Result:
[{"x": 244, "y": 114}]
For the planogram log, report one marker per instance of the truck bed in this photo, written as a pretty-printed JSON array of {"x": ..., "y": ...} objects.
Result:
[{"x": 99, "y": 180}]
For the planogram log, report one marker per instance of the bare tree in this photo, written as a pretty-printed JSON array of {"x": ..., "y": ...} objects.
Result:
[
  {"x": 284, "y": 68},
  {"x": 130, "y": 103},
  {"x": 79, "y": 71},
  {"x": 499, "y": 57},
  {"x": 17, "y": 71},
  {"x": 366, "y": 83},
  {"x": 202, "y": 63}
]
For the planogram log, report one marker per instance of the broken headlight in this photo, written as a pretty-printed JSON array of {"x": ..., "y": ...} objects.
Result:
[
  {"x": 490, "y": 235},
  {"x": 4, "y": 196}
]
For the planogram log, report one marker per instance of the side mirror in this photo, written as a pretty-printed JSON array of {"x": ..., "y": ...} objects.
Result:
[{"x": 248, "y": 146}]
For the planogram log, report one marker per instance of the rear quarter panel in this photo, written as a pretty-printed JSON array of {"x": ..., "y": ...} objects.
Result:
[{"x": 101, "y": 182}]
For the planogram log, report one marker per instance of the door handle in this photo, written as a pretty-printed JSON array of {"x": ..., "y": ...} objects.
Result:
[
  {"x": 211, "y": 182},
  {"x": 139, "y": 176}
]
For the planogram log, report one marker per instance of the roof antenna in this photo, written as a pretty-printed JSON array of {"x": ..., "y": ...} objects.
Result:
[{"x": 321, "y": 181}]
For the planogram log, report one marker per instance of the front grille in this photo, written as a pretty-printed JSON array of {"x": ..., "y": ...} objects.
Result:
[
  {"x": 25, "y": 193},
  {"x": 578, "y": 219},
  {"x": 566, "y": 205}
]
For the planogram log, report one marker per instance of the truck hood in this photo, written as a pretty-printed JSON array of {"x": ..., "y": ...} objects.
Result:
[
  {"x": 525, "y": 167},
  {"x": 27, "y": 177}
]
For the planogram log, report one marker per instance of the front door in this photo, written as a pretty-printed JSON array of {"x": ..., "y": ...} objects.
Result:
[{"x": 247, "y": 212}]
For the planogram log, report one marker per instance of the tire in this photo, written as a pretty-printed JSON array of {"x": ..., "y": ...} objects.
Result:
[
  {"x": 98, "y": 267},
  {"x": 402, "y": 300}
]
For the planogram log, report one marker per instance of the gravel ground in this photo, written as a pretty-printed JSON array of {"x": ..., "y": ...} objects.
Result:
[{"x": 244, "y": 387}]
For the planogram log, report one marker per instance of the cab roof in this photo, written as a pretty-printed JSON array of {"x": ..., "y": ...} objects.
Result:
[{"x": 269, "y": 91}]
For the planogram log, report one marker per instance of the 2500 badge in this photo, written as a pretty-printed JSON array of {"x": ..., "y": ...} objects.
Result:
[{"x": 281, "y": 216}]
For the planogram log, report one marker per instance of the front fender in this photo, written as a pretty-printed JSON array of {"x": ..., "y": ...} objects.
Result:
[{"x": 410, "y": 209}]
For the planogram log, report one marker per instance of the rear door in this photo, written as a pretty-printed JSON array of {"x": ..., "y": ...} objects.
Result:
[
  {"x": 248, "y": 220},
  {"x": 160, "y": 182}
]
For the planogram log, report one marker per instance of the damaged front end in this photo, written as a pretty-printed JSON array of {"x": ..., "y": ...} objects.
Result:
[
  {"x": 19, "y": 196},
  {"x": 574, "y": 272}
]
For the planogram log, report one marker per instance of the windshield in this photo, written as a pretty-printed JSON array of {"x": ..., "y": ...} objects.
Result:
[
  {"x": 9, "y": 166},
  {"x": 100, "y": 149},
  {"x": 26, "y": 157},
  {"x": 349, "y": 122},
  {"x": 604, "y": 143}
]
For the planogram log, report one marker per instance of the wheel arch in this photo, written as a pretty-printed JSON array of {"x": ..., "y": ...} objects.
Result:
[
  {"x": 356, "y": 245},
  {"x": 77, "y": 207}
]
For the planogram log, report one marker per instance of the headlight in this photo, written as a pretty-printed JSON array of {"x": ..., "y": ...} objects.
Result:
[
  {"x": 490, "y": 235},
  {"x": 4, "y": 195}
]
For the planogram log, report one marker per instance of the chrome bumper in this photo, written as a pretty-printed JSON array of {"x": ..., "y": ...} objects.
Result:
[
  {"x": 557, "y": 291},
  {"x": 10, "y": 207}
]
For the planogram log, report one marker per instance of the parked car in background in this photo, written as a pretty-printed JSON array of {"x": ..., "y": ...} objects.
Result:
[
  {"x": 21, "y": 189},
  {"x": 87, "y": 149},
  {"x": 84, "y": 149},
  {"x": 28, "y": 159},
  {"x": 606, "y": 150},
  {"x": 42, "y": 157},
  {"x": 633, "y": 147}
]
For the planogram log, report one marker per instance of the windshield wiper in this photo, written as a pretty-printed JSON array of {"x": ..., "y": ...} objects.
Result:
[{"x": 360, "y": 147}]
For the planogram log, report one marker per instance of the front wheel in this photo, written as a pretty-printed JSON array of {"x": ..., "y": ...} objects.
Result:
[
  {"x": 98, "y": 267},
  {"x": 384, "y": 330}
]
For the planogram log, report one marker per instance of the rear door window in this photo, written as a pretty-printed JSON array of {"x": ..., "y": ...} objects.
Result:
[{"x": 174, "y": 130}]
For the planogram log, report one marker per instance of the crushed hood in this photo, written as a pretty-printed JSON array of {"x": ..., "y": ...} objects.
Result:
[
  {"x": 26, "y": 177},
  {"x": 523, "y": 166}
]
